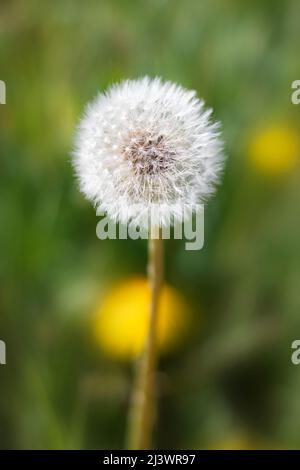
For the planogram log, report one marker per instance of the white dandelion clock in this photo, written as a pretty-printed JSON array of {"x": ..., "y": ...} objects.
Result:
[
  {"x": 147, "y": 144},
  {"x": 148, "y": 154}
]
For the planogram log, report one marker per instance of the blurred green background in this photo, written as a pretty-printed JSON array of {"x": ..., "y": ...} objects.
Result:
[{"x": 229, "y": 382}]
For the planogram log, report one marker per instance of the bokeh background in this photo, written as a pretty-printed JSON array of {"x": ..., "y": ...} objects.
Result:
[{"x": 72, "y": 308}]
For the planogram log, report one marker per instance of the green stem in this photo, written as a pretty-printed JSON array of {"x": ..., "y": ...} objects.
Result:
[{"x": 143, "y": 410}]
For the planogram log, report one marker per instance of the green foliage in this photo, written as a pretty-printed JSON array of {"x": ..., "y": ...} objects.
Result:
[{"x": 233, "y": 377}]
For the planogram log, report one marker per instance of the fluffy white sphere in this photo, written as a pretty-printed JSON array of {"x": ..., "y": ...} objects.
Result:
[{"x": 146, "y": 143}]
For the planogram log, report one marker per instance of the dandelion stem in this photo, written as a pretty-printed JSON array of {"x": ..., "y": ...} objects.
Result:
[{"x": 143, "y": 411}]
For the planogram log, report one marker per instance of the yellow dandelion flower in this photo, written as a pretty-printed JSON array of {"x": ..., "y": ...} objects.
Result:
[
  {"x": 275, "y": 150},
  {"x": 120, "y": 322},
  {"x": 242, "y": 443},
  {"x": 235, "y": 444}
]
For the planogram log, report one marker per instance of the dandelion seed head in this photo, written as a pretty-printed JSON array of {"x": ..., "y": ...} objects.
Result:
[{"x": 147, "y": 142}]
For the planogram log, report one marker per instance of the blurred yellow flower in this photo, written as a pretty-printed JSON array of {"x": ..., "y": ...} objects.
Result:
[
  {"x": 120, "y": 322},
  {"x": 235, "y": 444},
  {"x": 275, "y": 150},
  {"x": 242, "y": 443}
]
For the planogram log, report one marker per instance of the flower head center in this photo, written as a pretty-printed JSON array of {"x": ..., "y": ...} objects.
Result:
[{"x": 147, "y": 154}]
